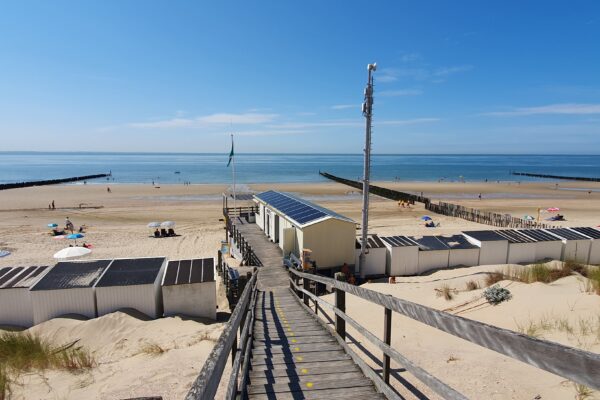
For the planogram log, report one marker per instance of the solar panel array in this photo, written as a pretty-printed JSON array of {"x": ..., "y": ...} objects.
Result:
[
  {"x": 567, "y": 234},
  {"x": 19, "y": 277},
  {"x": 539, "y": 235},
  {"x": 456, "y": 242},
  {"x": 132, "y": 271},
  {"x": 514, "y": 236},
  {"x": 427, "y": 243},
  {"x": 70, "y": 275},
  {"x": 399, "y": 241},
  {"x": 485, "y": 236},
  {"x": 299, "y": 210},
  {"x": 373, "y": 242},
  {"x": 590, "y": 232},
  {"x": 189, "y": 271}
]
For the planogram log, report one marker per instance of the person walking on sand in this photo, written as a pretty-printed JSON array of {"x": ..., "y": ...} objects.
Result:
[
  {"x": 54, "y": 208},
  {"x": 108, "y": 189},
  {"x": 479, "y": 196}
]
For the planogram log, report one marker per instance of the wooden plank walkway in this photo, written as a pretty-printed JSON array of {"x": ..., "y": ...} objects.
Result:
[{"x": 293, "y": 355}]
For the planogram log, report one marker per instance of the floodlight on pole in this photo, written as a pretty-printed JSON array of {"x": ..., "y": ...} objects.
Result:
[{"x": 367, "y": 110}]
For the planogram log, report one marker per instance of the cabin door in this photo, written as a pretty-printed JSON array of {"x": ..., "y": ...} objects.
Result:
[{"x": 276, "y": 233}]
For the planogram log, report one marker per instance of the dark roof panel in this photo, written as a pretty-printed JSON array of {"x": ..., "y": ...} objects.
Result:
[
  {"x": 456, "y": 242},
  {"x": 373, "y": 242},
  {"x": 299, "y": 210},
  {"x": 485, "y": 236},
  {"x": 4, "y": 270},
  {"x": 132, "y": 271},
  {"x": 428, "y": 243},
  {"x": 25, "y": 279},
  {"x": 590, "y": 232},
  {"x": 189, "y": 271},
  {"x": 72, "y": 274},
  {"x": 539, "y": 235},
  {"x": 10, "y": 275},
  {"x": 567, "y": 234},
  {"x": 399, "y": 241},
  {"x": 514, "y": 236}
]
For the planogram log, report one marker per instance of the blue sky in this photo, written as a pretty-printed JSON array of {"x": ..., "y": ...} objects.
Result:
[{"x": 288, "y": 76}]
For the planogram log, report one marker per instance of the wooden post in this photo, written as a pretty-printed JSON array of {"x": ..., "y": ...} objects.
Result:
[
  {"x": 316, "y": 302},
  {"x": 233, "y": 350},
  {"x": 387, "y": 338},
  {"x": 340, "y": 303},
  {"x": 306, "y": 286},
  {"x": 219, "y": 261}
]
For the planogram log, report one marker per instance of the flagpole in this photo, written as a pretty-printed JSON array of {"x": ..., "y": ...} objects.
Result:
[{"x": 233, "y": 172}]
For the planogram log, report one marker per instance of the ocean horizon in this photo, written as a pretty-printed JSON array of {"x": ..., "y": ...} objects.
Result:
[{"x": 198, "y": 168}]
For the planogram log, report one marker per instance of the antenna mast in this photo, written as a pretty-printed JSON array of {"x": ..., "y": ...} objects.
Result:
[{"x": 367, "y": 110}]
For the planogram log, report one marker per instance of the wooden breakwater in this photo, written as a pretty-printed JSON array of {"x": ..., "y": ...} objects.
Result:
[
  {"x": 567, "y": 178},
  {"x": 17, "y": 185},
  {"x": 379, "y": 191},
  {"x": 451, "y": 210}
]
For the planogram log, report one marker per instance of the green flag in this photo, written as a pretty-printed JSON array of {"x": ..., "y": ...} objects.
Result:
[{"x": 231, "y": 152}]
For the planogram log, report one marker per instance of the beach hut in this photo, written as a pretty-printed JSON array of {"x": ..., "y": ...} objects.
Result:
[
  {"x": 132, "y": 283},
  {"x": 68, "y": 288},
  {"x": 576, "y": 247},
  {"x": 594, "y": 234},
  {"x": 15, "y": 299},
  {"x": 375, "y": 258},
  {"x": 493, "y": 248},
  {"x": 433, "y": 253},
  {"x": 462, "y": 252},
  {"x": 189, "y": 288},
  {"x": 296, "y": 224},
  {"x": 402, "y": 255},
  {"x": 547, "y": 245},
  {"x": 521, "y": 248}
]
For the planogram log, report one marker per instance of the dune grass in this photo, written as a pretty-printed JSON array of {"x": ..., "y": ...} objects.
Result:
[
  {"x": 152, "y": 349},
  {"x": 472, "y": 285},
  {"x": 23, "y": 352},
  {"x": 445, "y": 291}
]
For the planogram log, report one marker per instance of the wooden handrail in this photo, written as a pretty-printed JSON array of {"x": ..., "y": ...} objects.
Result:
[
  {"x": 207, "y": 383},
  {"x": 574, "y": 364}
]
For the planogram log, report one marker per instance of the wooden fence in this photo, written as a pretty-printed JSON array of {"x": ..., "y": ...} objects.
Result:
[
  {"x": 248, "y": 256},
  {"x": 577, "y": 365},
  {"x": 207, "y": 383},
  {"x": 569, "y": 178}
]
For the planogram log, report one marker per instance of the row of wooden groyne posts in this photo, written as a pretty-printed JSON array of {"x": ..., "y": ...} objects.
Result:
[
  {"x": 16, "y": 185},
  {"x": 579, "y": 366},
  {"x": 448, "y": 209}
]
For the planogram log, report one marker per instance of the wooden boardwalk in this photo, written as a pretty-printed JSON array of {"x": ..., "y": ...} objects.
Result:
[{"x": 293, "y": 355}]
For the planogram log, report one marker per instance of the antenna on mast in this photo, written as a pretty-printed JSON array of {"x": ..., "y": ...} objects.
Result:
[{"x": 367, "y": 110}]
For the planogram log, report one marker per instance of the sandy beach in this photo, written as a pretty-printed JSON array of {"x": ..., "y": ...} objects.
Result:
[{"x": 116, "y": 227}]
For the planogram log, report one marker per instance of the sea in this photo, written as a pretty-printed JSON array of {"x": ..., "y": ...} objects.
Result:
[{"x": 169, "y": 168}]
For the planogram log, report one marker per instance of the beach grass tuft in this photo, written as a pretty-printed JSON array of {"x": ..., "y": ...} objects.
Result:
[
  {"x": 472, "y": 285},
  {"x": 445, "y": 291},
  {"x": 493, "y": 277},
  {"x": 152, "y": 349},
  {"x": 582, "y": 392}
]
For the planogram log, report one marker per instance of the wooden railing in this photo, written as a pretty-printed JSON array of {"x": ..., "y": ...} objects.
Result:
[
  {"x": 238, "y": 240},
  {"x": 577, "y": 365},
  {"x": 239, "y": 211},
  {"x": 207, "y": 383}
]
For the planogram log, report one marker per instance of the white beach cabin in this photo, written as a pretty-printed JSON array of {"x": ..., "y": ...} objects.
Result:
[
  {"x": 462, "y": 252},
  {"x": 189, "y": 288},
  {"x": 433, "y": 253},
  {"x": 594, "y": 234},
  {"x": 15, "y": 299},
  {"x": 67, "y": 289},
  {"x": 132, "y": 283},
  {"x": 576, "y": 247},
  {"x": 521, "y": 248},
  {"x": 295, "y": 224},
  {"x": 547, "y": 246},
  {"x": 402, "y": 255},
  {"x": 375, "y": 258},
  {"x": 493, "y": 248}
]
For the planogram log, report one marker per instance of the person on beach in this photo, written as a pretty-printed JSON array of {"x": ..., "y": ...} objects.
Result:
[
  {"x": 54, "y": 208},
  {"x": 479, "y": 196},
  {"x": 108, "y": 189},
  {"x": 69, "y": 225}
]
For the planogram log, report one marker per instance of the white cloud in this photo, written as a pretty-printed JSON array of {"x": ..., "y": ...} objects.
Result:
[
  {"x": 207, "y": 120},
  {"x": 445, "y": 71},
  {"x": 557, "y": 109},
  {"x": 411, "y": 57},
  {"x": 401, "y": 92},
  {"x": 170, "y": 123},
  {"x": 406, "y": 121},
  {"x": 345, "y": 106},
  {"x": 349, "y": 123}
]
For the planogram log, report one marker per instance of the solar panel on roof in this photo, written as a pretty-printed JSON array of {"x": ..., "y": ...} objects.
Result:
[
  {"x": 590, "y": 232},
  {"x": 399, "y": 241},
  {"x": 485, "y": 236},
  {"x": 427, "y": 243},
  {"x": 456, "y": 242},
  {"x": 24, "y": 279},
  {"x": 297, "y": 209},
  {"x": 189, "y": 271},
  {"x": 133, "y": 271},
  {"x": 10, "y": 274},
  {"x": 69, "y": 275},
  {"x": 3, "y": 271},
  {"x": 171, "y": 273},
  {"x": 539, "y": 235},
  {"x": 567, "y": 234},
  {"x": 514, "y": 236},
  {"x": 185, "y": 268}
]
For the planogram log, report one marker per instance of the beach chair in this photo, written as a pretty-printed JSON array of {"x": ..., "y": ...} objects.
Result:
[
  {"x": 171, "y": 232},
  {"x": 163, "y": 232}
]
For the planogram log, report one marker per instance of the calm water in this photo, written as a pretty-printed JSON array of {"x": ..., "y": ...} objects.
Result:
[{"x": 269, "y": 168}]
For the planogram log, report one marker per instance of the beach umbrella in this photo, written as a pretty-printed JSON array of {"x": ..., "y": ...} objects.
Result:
[
  {"x": 4, "y": 253},
  {"x": 426, "y": 218},
  {"x": 59, "y": 237},
  {"x": 75, "y": 236},
  {"x": 154, "y": 225},
  {"x": 71, "y": 252},
  {"x": 528, "y": 218},
  {"x": 167, "y": 224},
  {"x": 52, "y": 225},
  {"x": 553, "y": 209}
]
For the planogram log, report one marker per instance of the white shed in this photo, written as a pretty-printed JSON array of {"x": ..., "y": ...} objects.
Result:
[
  {"x": 521, "y": 248},
  {"x": 132, "y": 283},
  {"x": 375, "y": 258},
  {"x": 593, "y": 234},
  {"x": 296, "y": 224},
  {"x": 67, "y": 289},
  {"x": 576, "y": 247},
  {"x": 189, "y": 288},
  {"x": 15, "y": 299},
  {"x": 402, "y": 256},
  {"x": 547, "y": 245},
  {"x": 462, "y": 252},
  {"x": 493, "y": 248},
  {"x": 433, "y": 253}
]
